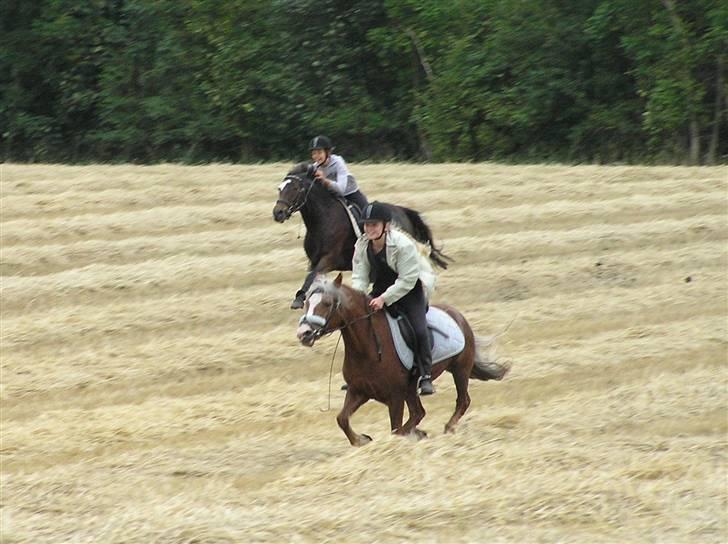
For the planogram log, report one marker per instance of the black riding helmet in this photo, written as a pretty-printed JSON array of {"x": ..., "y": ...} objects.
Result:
[
  {"x": 320, "y": 142},
  {"x": 376, "y": 212}
]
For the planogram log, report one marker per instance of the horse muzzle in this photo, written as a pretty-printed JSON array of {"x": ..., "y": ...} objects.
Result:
[
  {"x": 280, "y": 213},
  {"x": 306, "y": 335},
  {"x": 310, "y": 329}
]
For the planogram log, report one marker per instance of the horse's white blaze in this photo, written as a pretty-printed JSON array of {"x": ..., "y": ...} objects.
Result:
[
  {"x": 283, "y": 184},
  {"x": 313, "y": 301}
]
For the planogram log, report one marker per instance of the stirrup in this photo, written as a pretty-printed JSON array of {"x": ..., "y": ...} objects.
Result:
[{"x": 424, "y": 386}]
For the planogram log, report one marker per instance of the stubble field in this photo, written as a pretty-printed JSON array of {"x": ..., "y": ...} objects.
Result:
[{"x": 153, "y": 390}]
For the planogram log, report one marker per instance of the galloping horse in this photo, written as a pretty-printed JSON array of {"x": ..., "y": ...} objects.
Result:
[
  {"x": 330, "y": 237},
  {"x": 372, "y": 368}
]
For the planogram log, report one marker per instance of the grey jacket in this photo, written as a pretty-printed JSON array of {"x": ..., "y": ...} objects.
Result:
[
  {"x": 337, "y": 171},
  {"x": 404, "y": 257}
]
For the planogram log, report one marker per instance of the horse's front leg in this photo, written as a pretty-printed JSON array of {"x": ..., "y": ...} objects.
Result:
[
  {"x": 352, "y": 402},
  {"x": 396, "y": 412},
  {"x": 323, "y": 265},
  {"x": 300, "y": 297}
]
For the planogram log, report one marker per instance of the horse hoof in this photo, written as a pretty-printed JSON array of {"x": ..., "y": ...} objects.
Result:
[
  {"x": 297, "y": 304},
  {"x": 363, "y": 440},
  {"x": 419, "y": 434}
]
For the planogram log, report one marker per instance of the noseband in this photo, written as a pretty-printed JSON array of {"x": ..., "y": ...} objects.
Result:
[{"x": 293, "y": 207}]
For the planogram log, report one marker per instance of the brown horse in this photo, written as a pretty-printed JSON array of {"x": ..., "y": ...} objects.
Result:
[
  {"x": 372, "y": 368},
  {"x": 329, "y": 241}
]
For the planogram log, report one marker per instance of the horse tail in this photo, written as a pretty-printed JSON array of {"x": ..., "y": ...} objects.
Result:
[
  {"x": 487, "y": 368},
  {"x": 421, "y": 231}
]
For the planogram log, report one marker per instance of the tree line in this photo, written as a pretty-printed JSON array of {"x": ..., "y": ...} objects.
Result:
[{"x": 459, "y": 80}]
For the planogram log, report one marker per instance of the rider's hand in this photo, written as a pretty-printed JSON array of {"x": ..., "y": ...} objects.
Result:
[
  {"x": 376, "y": 304},
  {"x": 319, "y": 174}
]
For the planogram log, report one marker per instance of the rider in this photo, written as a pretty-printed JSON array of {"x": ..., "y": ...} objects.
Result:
[
  {"x": 390, "y": 260},
  {"x": 332, "y": 172}
]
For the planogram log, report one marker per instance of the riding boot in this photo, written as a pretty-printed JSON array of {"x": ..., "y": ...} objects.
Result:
[{"x": 424, "y": 384}]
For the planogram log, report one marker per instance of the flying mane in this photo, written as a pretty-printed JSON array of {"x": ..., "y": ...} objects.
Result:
[{"x": 343, "y": 293}]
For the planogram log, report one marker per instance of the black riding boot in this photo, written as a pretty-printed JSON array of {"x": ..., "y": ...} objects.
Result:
[{"x": 424, "y": 384}]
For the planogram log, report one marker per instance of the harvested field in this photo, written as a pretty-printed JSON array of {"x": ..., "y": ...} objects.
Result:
[{"x": 153, "y": 390}]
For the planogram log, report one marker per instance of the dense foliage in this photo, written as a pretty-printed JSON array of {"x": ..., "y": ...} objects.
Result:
[{"x": 244, "y": 80}]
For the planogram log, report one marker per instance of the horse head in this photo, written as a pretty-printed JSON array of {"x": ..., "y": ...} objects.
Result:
[
  {"x": 321, "y": 313},
  {"x": 293, "y": 192}
]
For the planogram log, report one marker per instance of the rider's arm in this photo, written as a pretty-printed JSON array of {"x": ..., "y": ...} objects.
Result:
[
  {"x": 407, "y": 268},
  {"x": 360, "y": 266},
  {"x": 337, "y": 174}
]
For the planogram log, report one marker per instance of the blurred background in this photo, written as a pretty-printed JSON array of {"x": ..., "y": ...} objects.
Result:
[{"x": 194, "y": 81}]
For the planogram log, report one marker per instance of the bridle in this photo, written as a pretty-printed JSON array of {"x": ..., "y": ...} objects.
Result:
[
  {"x": 319, "y": 325},
  {"x": 293, "y": 207}
]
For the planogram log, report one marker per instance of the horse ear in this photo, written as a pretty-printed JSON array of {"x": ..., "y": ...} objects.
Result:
[{"x": 337, "y": 281}]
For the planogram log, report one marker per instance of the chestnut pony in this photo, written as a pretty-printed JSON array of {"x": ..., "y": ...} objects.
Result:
[
  {"x": 329, "y": 241},
  {"x": 372, "y": 368}
]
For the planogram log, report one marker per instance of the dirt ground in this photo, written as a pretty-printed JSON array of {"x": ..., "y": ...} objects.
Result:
[{"x": 153, "y": 390}]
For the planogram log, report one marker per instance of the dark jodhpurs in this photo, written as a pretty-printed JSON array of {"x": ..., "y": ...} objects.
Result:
[
  {"x": 358, "y": 198},
  {"x": 414, "y": 306}
]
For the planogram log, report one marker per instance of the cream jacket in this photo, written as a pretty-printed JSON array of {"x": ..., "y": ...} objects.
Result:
[{"x": 405, "y": 256}]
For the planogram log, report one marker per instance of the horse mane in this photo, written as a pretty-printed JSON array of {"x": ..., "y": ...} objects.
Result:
[
  {"x": 298, "y": 169},
  {"x": 344, "y": 293},
  {"x": 301, "y": 169}
]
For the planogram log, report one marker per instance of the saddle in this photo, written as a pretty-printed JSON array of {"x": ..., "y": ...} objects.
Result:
[
  {"x": 446, "y": 337},
  {"x": 406, "y": 329}
]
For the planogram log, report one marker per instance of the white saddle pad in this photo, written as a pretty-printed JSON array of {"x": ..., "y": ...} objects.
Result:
[{"x": 449, "y": 339}]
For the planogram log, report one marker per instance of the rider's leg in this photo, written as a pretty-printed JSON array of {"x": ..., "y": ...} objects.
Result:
[
  {"x": 414, "y": 305},
  {"x": 358, "y": 198}
]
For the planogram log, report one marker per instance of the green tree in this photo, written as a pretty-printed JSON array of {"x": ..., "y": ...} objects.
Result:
[
  {"x": 50, "y": 67},
  {"x": 677, "y": 54}
]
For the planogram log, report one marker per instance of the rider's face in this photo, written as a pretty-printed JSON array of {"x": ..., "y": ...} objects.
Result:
[
  {"x": 318, "y": 155},
  {"x": 374, "y": 230}
]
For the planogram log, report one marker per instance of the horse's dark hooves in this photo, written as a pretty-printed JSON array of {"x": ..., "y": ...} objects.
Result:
[
  {"x": 344, "y": 387},
  {"x": 297, "y": 304}
]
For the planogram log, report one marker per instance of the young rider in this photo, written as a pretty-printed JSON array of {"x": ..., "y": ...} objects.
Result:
[
  {"x": 390, "y": 260},
  {"x": 333, "y": 173}
]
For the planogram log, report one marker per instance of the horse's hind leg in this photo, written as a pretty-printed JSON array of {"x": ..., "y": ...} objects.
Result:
[
  {"x": 462, "y": 378},
  {"x": 352, "y": 402},
  {"x": 416, "y": 414}
]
